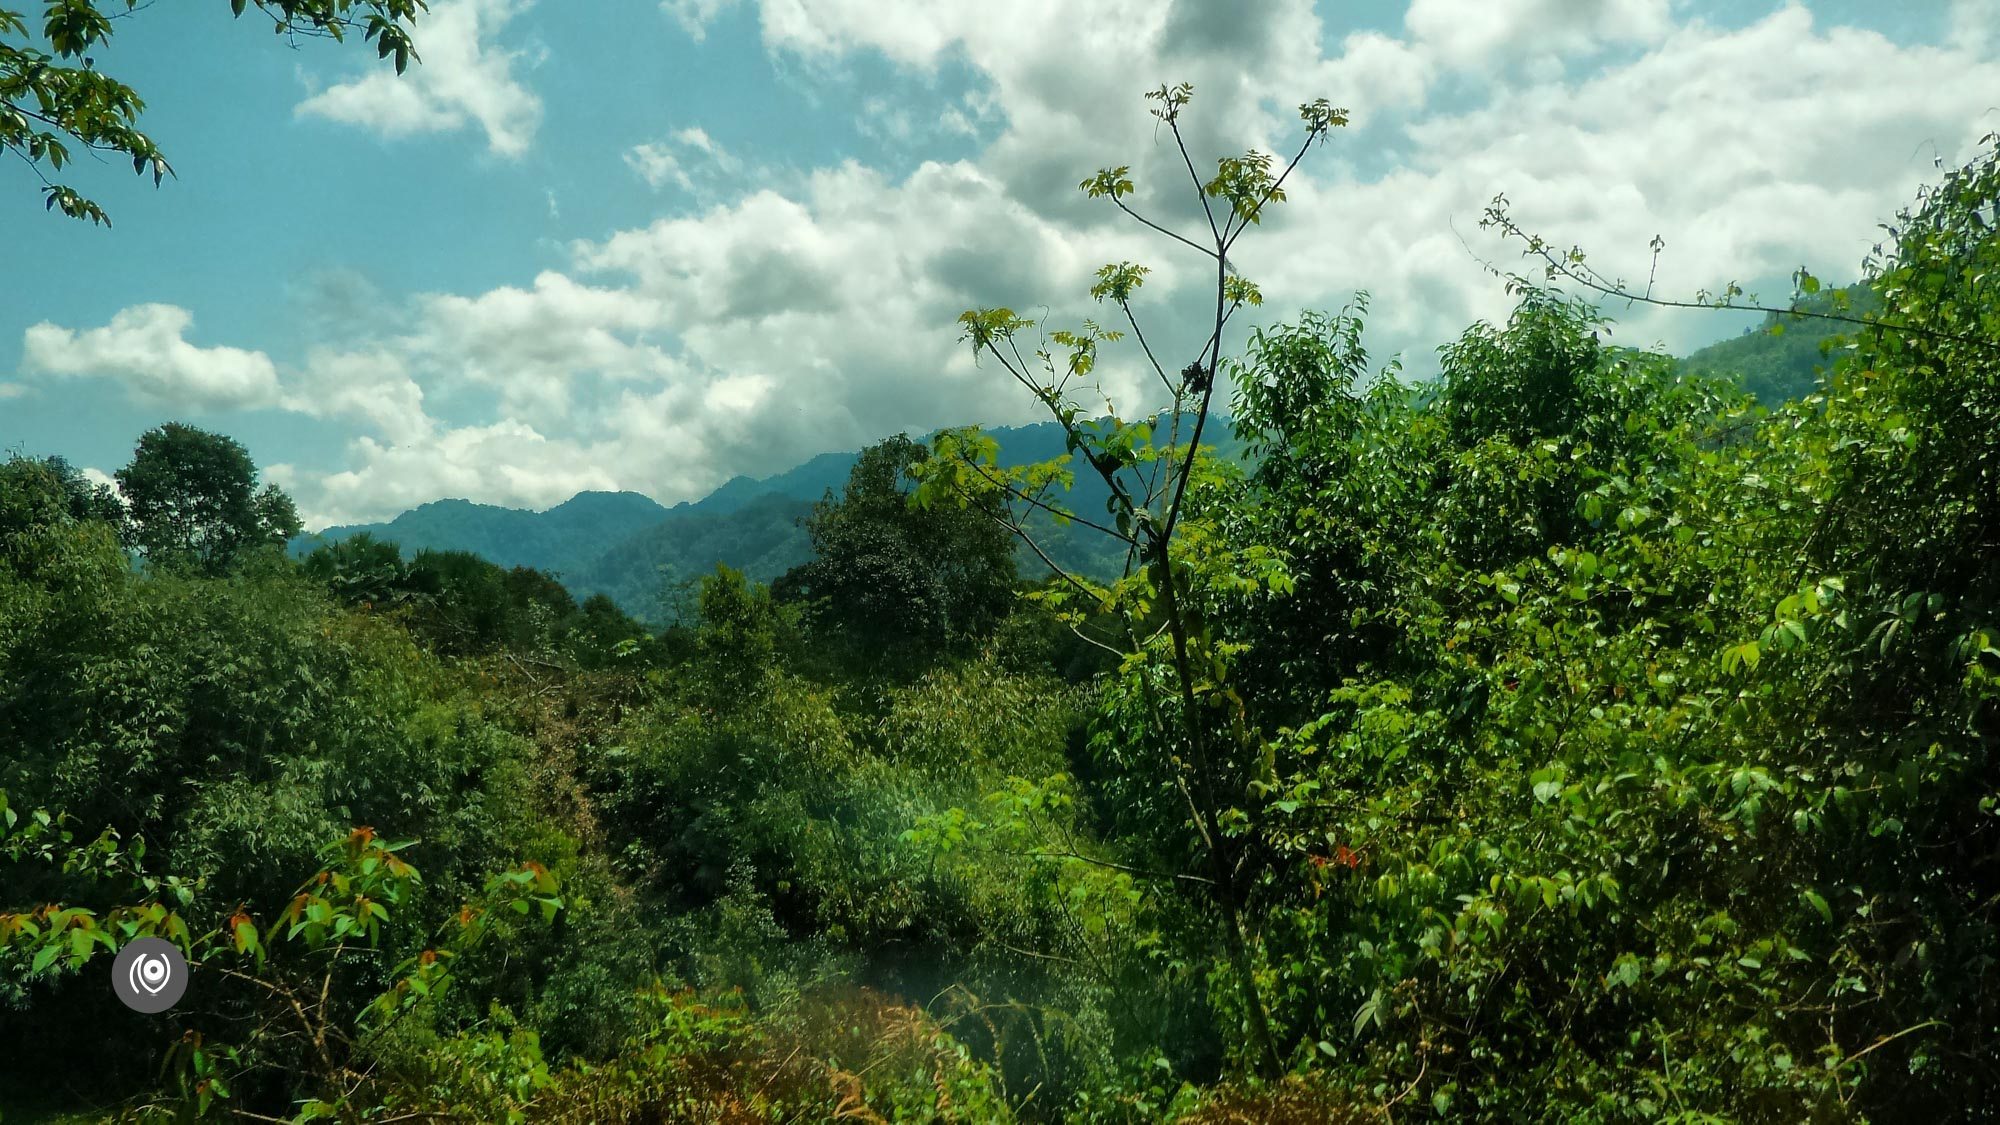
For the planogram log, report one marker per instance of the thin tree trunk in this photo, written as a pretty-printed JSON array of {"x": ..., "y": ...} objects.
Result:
[{"x": 1234, "y": 934}]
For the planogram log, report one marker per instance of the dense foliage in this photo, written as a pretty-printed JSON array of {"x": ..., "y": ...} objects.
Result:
[
  {"x": 1573, "y": 738},
  {"x": 893, "y": 580}
]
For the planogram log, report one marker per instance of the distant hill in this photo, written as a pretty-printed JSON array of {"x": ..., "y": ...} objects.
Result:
[
  {"x": 806, "y": 482},
  {"x": 635, "y": 550},
  {"x": 562, "y": 539},
  {"x": 1786, "y": 365},
  {"x": 761, "y": 537}
]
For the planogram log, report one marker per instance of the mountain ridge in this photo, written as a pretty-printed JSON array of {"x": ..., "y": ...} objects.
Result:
[{"x": 635, "y": 549}]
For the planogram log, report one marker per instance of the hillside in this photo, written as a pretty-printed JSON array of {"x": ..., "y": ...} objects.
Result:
[
  {"x": 762, "y": 538},
  {"x": 1782, "y": 359},
  {"x": 562, "y": 539},
  {"x": 635, "y": 550}
]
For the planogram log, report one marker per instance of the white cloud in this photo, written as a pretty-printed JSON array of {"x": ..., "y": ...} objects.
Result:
[
  {"x": 796, "y": 314},
  {"x": 1751, "y": 152},
  {"x": 506, "y": 462},
  {"x": 1975, "y": 25},
  {"x": 1482, "y": 33},
  {"x": 533, "y": 345},
  {"x": 847, "y": 296},
  {"x": 100, "y": 477},
  {"x": 691, "y": 161},
  {"x": 374, "y": 387},
  {"x": 13, "y": 390},
  {"x": 462, "y": 77},
  {"x": 658, "y": 166},
  {"x": 671, "y": 441},
  {"x": 694, "y": 16},
  {"x": 145, "y": 348}
]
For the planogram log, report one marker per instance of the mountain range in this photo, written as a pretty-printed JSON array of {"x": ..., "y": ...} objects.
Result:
[{"x": 636, "y": 550}]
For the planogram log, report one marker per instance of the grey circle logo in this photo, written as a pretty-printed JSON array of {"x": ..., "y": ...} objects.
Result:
[{"x": 149, "y": 975}]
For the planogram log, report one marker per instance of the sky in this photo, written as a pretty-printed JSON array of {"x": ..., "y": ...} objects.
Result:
[{"x": 654, "y": 244}]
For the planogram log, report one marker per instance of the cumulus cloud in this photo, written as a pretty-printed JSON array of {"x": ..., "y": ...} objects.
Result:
[
  {"x": 694, "y": 16},
  {"x": 145, "y": 348},
  {"x": 373, "y": 387},
  {"x": 847, "y": 295},
  {"x": 671, "y": 441},
  {"x": 1482, "y": 33},
  {"x": 796, "y": 314},
  {"x": 534, "y": 345},
  {"x": 1751, "y": 151},
  {"x": 506, "y": 462},
  {"x": 689, "y": 160},
  {"x": 462, "y": 78}
]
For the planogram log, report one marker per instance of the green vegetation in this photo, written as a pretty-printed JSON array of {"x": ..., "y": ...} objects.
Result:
[
  {"x": 1574, "y": 739},
  {"x": 1787, "y": 357}
]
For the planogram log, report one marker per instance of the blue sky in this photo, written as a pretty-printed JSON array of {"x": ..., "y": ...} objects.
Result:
[{"x": 644, "y": 245}]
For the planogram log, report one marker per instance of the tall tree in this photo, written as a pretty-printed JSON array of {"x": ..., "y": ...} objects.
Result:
[
  {"x": 897, "y": 578},
  {"x": 86, "y": 499},
  {"x": 1172, "y": 660},
  {"x": 194, "y": 501}
]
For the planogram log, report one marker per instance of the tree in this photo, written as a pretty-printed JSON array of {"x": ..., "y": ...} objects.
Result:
[
  {"x": 57, "y": 530},
  {"x": 47, "y": 105},
  {"x": 604, "y": 633},
  {"x": 738, "y": 634},
  {"x": 195, "y": 503},
  {"x": 895, "y": 578},
  {"x": 87, "y": 500},
  {"x": 361, "y": 570},
  {"x": 1172, "y": 663}
]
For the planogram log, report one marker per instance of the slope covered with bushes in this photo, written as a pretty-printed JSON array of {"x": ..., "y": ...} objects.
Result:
[{"x": 1580, "y": 740}]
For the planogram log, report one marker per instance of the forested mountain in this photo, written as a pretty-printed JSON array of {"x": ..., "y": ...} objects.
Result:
[
  {"x": 762, "y": 537},
  {"x": 1785, "y": 357},
  {"x": 562, "y": 539},
  {"x": 637, "y": 551}
]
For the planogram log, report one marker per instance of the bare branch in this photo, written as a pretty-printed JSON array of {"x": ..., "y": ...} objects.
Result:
[
  {"x": 1200, "y": 190},
  {"x": 1025, "y": 498},
  {"x": 1556, "y": 265},
  {"x": 1140, "y": 335},
  {"x": 1176, "y": 236}
]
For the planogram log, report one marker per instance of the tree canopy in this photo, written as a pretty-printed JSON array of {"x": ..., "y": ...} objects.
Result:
[
  {"x": 894, "y": 576},
  {"x": 192, "y": 501}
]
